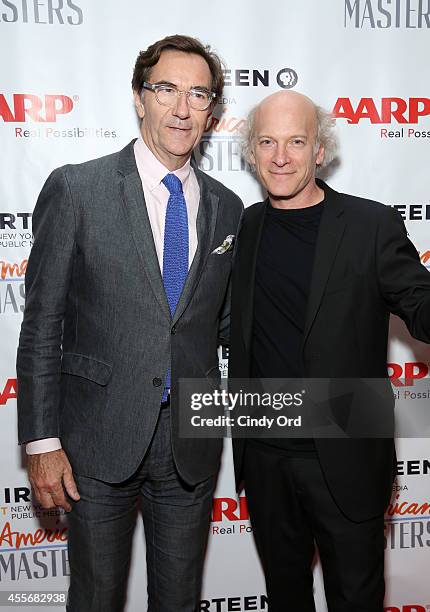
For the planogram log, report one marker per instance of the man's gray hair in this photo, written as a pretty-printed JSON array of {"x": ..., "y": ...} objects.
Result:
[{"x": 325, "y": 135}]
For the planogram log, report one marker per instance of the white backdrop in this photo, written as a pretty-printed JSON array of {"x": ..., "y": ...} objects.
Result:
[{"x": 65, "y": 97}]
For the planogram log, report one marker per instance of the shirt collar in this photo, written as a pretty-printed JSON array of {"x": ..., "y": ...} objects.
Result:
[{"x": 152, "y": 171}]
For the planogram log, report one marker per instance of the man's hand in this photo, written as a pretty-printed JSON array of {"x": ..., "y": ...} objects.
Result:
[{"x": 49, "y": 474}]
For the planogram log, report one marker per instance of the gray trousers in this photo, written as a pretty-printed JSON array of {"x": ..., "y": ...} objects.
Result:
[{"x": 176, "y": 522}]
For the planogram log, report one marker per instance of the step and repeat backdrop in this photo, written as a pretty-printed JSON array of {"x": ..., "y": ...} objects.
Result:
[{"x": 65, "y": 97}]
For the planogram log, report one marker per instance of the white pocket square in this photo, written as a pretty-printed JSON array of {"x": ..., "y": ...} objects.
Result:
[{"x": 225, "y": 246}]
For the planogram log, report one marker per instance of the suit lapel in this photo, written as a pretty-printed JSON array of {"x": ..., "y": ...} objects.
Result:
[
  {"x": 206, "y": 222},
  {"x": 249, "y": 243},
  {"x": 134, "y": 203},
  {"x": 135, "y": 208},
  {"x": 330, "y": 233}
]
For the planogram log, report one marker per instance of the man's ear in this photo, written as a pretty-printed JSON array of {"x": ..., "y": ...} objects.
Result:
[
  {"x": 140, "y": 109},
  {"x": 320, "y": 156},
  {"x": 209, "y": 120}
]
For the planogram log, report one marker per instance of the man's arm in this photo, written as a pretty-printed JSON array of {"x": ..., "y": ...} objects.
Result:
[
  {"x": 39, "y": 352},
  {"x": 403, "y": 280}
]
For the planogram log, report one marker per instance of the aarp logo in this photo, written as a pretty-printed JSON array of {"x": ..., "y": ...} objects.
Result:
[
  {"x": 9, "y": 391},
  {"x": 405, "y": 374},
  {"x": 383, "y": 110},
  {"x": 23, "y": 107},
  {"x": 229, "y": 509},
  {"x": 408, "y": 608}
]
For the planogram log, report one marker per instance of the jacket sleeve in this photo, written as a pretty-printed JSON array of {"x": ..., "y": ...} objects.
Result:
[
  {"x": 224, "y": 319},
  {"x": 46, "y": 286},
  {"x": 403, "y": 280}
]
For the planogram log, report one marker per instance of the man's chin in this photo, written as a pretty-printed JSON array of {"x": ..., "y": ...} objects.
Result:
[
  {"x": 282, "y": 194},
  {"x": 180, "y": 146},
  {"x": 179, "y": 152}
]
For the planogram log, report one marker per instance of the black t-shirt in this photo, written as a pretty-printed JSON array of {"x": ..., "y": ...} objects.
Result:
[{"x": 282, "y": 281}]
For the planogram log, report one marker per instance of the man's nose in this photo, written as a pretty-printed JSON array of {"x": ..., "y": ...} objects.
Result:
[
  {"x": 281, "y": 156},
  {"x": 182, "y": 106}
]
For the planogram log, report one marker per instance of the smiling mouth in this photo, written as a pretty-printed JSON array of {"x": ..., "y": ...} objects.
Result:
[
  {"x": 282, "y": 173},
  {"x": 177, "y": 128}
]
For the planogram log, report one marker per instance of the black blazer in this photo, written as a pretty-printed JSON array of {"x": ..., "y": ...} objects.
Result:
[{"x": 365, "y": 267}]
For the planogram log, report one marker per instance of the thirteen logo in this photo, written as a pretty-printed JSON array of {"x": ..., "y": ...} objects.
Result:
[
  {"x": 28, "y": 106},
  {"x": 20, "y": 220},
  {"x": 252, "y": 77},
  {"x": 412, "y": 467},
  {"x": 414, "y": 212},
  {"x": 287, "y": 78}
]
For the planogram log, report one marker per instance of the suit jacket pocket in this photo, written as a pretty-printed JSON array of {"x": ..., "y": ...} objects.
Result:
[
  {"x": 213, "y": 376},
  {"x": 213, "y": 372},
  {"x": 220, "y": 257},
  {"x": 86, "y": 367}
]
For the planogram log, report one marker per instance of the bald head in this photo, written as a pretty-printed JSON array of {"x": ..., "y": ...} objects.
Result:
[
  {"x": 285, "y": 147},
  {"x": 287, "y": 103},
  {"x": 283, "y": 102}
]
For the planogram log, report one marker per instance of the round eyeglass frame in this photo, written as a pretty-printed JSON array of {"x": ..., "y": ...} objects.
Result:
[{"x": 153, "y": 87}]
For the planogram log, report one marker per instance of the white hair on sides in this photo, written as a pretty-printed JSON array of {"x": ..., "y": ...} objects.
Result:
[
  {"x": 246, "y": 135},
  {"x": 325, "y": 135}
]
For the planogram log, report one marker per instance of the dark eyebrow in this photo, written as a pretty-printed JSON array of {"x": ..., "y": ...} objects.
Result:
[
  {"x": 165, "y": 83},
  {"x": 198, "y": 87}
]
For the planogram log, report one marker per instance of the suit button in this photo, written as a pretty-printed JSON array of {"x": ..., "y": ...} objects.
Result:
[
  {"x": 173, "y": 331},
  {"x": 157, "y": 381}
]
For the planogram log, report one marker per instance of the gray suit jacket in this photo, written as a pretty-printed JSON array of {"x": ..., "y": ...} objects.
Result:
[{"x": 97, "y": 335}]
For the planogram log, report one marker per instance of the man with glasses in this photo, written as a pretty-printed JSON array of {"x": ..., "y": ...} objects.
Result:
[{"x": 126, "y": 292}]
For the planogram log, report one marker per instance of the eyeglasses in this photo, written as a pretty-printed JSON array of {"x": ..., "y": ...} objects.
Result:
[{"x": 167, "y": 95}]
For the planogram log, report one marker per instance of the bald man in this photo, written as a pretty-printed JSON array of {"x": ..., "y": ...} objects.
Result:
[{"x": 315, "y": 277}]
